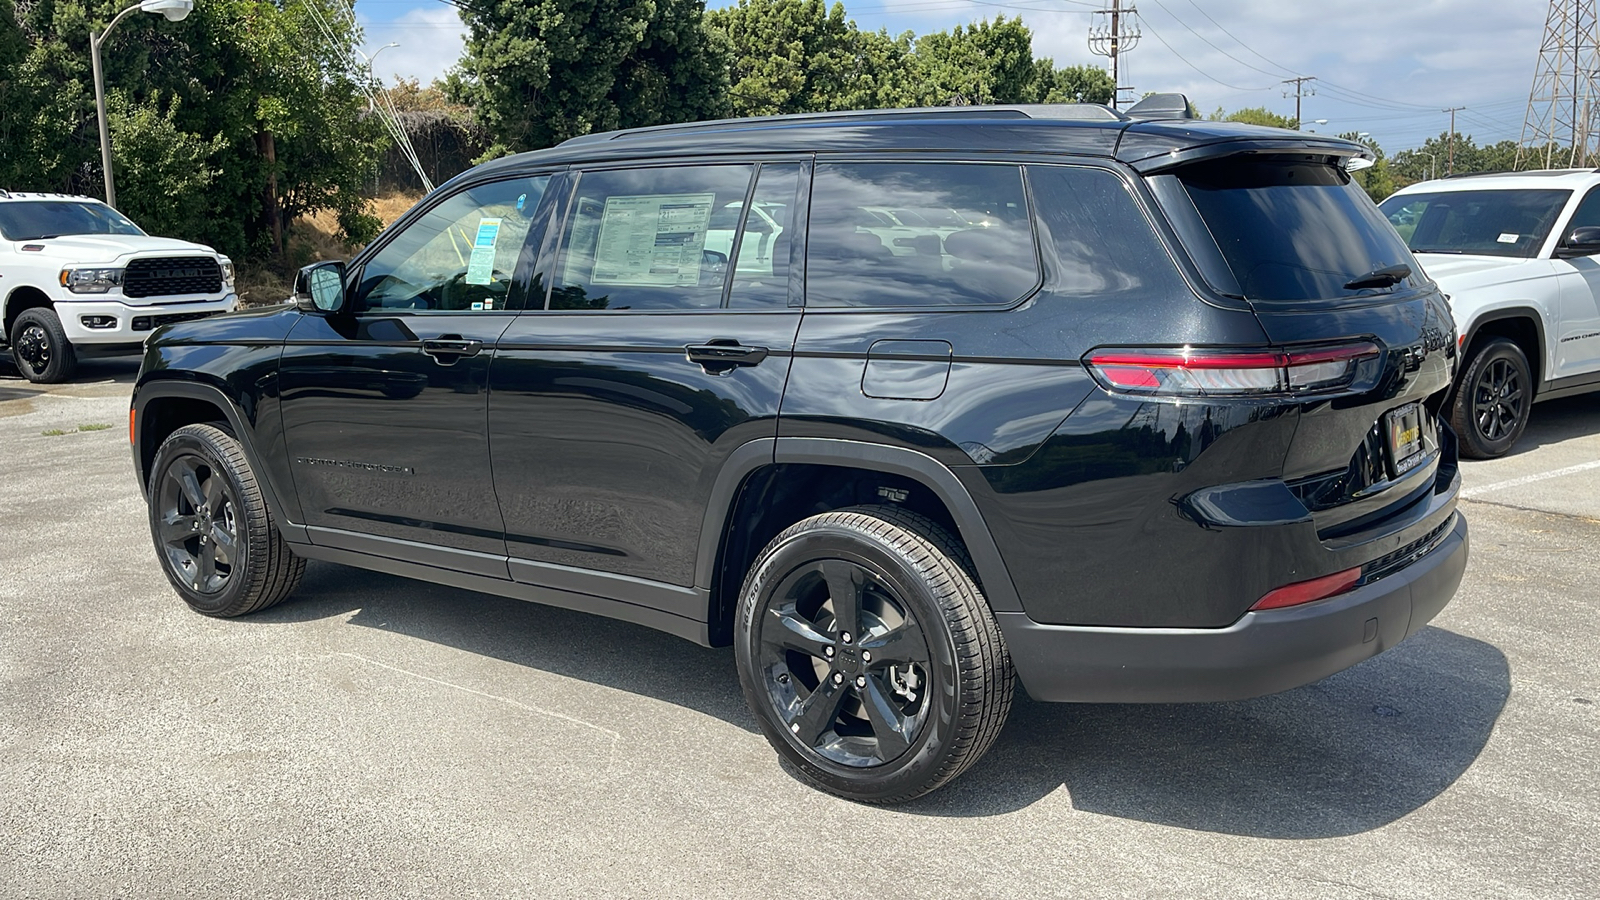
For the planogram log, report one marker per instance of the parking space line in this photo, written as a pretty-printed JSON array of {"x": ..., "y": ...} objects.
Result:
[
  {"x": 507, "y": 700},
  {"x": 1529, "y": 479}
]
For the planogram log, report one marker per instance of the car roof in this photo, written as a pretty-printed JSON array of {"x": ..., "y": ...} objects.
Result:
[
  {"x": 1573, "y": 179},
  {"x": 1076, "y": 129},
  {"x": 6, "y": 196}
]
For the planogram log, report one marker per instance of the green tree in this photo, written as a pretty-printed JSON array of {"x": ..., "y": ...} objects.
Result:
[
  {"x": 984, "y": 62},
  {"x": 1070, "y": 84},
  {"x": 541, "y": 72},
  {"x": 795, "y": 56},
  {"x": 225, "y": 127},
  {"x": 1256, "y": 115}
]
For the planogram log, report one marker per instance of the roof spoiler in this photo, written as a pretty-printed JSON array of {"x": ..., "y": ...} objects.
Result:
[{"x": 1162, "y": 106}]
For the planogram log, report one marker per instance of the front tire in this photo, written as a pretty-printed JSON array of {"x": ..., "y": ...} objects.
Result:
[
  {"x": 1494, "y": 400},
  {"x": 216, "y": 539},
  {"x": 40, "y": 348},
  {"x": 869, "y": 656}
]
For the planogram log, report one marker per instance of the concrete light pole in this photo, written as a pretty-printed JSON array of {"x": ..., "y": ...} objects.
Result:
[{"x": 175, "y": 11}]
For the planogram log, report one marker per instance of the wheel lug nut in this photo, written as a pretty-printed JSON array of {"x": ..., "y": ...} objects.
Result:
[
  {"x": 866, "y": 656},
  {"x": 795, "y": 727},
  {"x": 845, "y": 637},
  {"x": 838, "y": 678},
  {"x": 828, "y": 652},
  {"x": 861, "y": 681}
]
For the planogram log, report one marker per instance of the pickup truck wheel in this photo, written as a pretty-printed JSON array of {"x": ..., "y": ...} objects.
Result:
[
  {"x": 40, "y": 348},
  {"x": 869, "y": 656},
  {"x": 215, "y": 536},
  {"x": 1493, "y": 401}
]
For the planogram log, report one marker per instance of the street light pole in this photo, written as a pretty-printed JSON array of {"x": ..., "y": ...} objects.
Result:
[
  {"x": 175, "y": 11},
  {"x": 370, "y": 73}
]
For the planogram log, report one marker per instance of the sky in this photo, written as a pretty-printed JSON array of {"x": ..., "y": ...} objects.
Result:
[{"x": 1386, "y": 67}]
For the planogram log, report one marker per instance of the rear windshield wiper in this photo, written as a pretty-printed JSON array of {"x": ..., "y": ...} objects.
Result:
[{"x": 1388, "y": 276}]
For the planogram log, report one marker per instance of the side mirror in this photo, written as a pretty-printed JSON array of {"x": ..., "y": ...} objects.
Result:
[
  {"x": 319, "y": 287},
  {"x": 1583, "y": 241}
]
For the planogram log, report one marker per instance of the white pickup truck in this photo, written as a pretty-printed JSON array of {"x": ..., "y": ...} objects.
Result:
[
  {"x": 1519, "y": 257},
  {"x": 76, "y": 275}
]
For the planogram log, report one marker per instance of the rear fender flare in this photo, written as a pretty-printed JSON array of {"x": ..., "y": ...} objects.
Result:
[{"x": 919, "y": 467}]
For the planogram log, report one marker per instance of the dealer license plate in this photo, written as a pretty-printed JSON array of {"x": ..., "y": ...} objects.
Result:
[{"x": 1404, "y": 427}]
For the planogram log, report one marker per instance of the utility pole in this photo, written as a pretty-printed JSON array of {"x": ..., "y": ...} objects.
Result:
[
  {"x": 1450, "y": 167},
  {"x": 1300, "y": 90},
  {"x": 1114, "y": 40}
]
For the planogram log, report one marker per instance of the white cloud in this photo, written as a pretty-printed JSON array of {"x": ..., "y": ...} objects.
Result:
[{"x": 430, "y": 40}]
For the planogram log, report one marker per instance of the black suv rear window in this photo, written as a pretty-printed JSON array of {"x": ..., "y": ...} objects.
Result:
[
  {"x": 1292, "y": 229},
  {"x": 919, "y": 234}
]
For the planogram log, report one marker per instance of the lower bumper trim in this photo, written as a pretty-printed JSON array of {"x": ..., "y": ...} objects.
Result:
[{"x": 1262, "y": 653}]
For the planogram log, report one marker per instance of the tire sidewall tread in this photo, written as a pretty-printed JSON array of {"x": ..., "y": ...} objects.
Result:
[
  {"x": 977, "y": 657},
  {"x": 1462, "y": 417}
]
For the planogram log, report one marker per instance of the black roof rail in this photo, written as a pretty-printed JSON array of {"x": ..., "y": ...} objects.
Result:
[{"x": 1081, "y": 112}]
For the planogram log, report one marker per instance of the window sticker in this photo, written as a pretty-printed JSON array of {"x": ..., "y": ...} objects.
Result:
[
  {"x": 652, "y": 239},
  {"x": 1507, "y": 238},
  {"x": 480, "y": 268}
]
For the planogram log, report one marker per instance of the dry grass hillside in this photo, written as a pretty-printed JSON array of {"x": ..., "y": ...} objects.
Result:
[{"x": 312, "y": 239}]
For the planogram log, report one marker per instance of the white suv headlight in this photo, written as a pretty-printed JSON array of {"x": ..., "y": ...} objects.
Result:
[
  {"x": 227, "y": 274},
  {"x": 90, "y": 281}
]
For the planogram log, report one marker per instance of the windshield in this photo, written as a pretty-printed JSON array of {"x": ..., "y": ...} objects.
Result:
[
  {"x": 32, "y": 220},
  {"x": 1293, "y": 229},
  {"x": 1487, "y": 223}
]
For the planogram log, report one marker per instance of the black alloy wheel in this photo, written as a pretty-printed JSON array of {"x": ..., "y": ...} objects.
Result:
[
  {"x": 199, "y": 523},
  {"x": 40, "y": 348},
  {"x": 869, "y": 656},
  {"x": 1493, "y": 400},
  {"x": 215, "y": 536},
  {"x": 845, "y": 663},
  {"x": 1497, "y": 400}
]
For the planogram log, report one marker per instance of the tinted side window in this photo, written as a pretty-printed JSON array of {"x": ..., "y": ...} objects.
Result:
[
  {"x": 761, "y": 275},
  {"x": 459, "y": 256},
  {"x": 919, "y": 234},
  {"x": 1103, "y": 244},
  {"x": 1587, "y": 213},
  {"x": 650, "y": 238}
]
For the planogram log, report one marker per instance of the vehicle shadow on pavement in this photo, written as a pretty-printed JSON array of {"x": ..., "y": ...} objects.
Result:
[
  {"x": 1345, "y": 755},
  {"x": 1559, "y": 420}
]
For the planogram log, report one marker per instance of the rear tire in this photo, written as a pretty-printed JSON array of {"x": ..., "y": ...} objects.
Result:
[
  {"x": 1493, "y": 401},
  {"x": 213, "y": 532},
  {"x": 40, "y": 348},
  {"x": 869, "y": 656}
]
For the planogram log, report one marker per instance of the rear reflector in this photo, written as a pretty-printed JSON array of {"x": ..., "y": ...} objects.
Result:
[
  {"x": 1307, "y": 591},
  {"x": 1225, "y": 372}
]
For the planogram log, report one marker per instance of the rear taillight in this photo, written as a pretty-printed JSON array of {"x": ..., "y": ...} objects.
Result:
[
  {"x": 1228, "y": 371},
  {"x": 1307, "y": 591}
]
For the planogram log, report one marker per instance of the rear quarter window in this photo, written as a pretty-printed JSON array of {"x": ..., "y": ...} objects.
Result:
[
  {"x": 1103, "y": 245},
  {"x": 919, "y": 234}
]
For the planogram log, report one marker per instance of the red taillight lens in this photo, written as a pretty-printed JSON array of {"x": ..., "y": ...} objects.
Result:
[
  {"x": 1307, "y": 591},
  {"x": 1223, "y": 372}
]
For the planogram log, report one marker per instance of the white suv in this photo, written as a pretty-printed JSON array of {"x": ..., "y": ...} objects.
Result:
[
  {"x": 1517, "y": 256},
  {"x": 76, "y": 274}
]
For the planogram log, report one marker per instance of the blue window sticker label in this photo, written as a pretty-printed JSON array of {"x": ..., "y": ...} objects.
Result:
[
  {"x": 521, "y": 202},
  {"x": 480, "y": 268}
]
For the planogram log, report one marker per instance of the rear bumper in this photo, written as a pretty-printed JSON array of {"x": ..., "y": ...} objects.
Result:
[{"x": 1261, "y": 653}]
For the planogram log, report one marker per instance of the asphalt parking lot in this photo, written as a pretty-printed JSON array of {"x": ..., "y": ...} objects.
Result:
[{"x": 381, "y": 737}]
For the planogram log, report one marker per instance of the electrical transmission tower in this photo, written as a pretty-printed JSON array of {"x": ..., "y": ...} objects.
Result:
[
  {"x": 1560, "y": 124},
  {"x": 1114, "y": 33}
]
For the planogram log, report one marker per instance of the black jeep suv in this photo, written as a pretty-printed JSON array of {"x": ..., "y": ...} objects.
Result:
[{"x": 896, "y": 403}]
